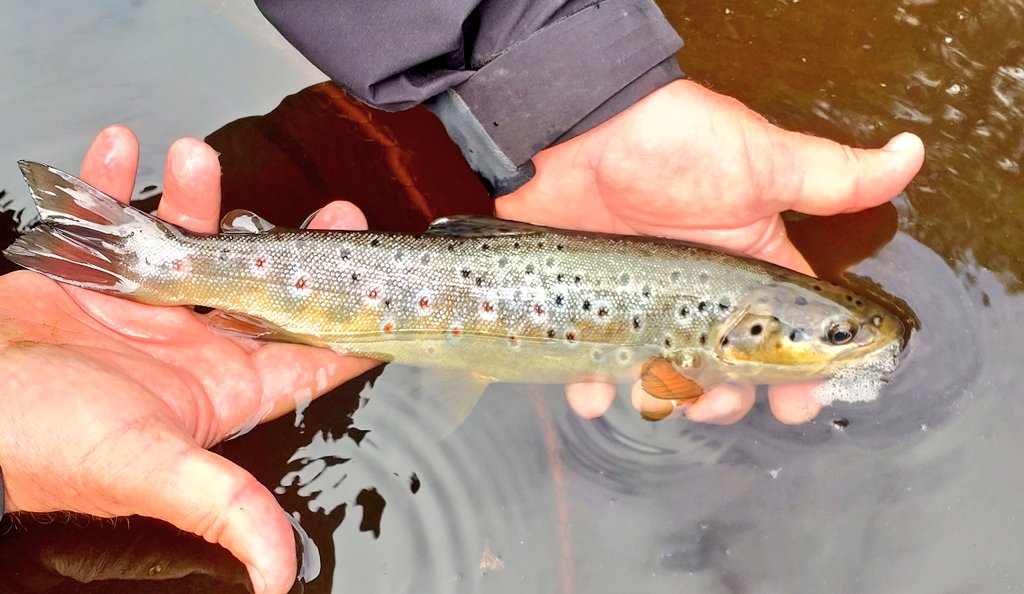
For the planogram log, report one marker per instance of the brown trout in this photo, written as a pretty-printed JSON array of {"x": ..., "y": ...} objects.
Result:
[{"x": 505, "y": 300}]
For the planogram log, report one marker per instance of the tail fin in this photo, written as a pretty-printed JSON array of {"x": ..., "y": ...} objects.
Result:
[{"x": 83, "y": 235}]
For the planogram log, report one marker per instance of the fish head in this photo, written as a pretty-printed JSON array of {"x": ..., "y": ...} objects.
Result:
[{"x": 786, "y": 331}]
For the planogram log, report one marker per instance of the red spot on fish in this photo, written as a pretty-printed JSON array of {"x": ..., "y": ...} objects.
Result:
[
  {"x": 424, "y": 302},
  {"x": 602, "y": 312},
  {"x": 302, "y": 283},
  {"x": 487, "y": 307},
  {"x": 570, "y": 336},
  {"x": 373, "y": 294},
  {"x": 456, "y": 332},
  {"x": 538, "y": 309},
  {"x": 178, "y": 266},
  {"x": 431, "y": 350},
  {"x": 513, "y": 340},
  {"x": 261, "y": 262},
  {"x": 389, "y": 328}
]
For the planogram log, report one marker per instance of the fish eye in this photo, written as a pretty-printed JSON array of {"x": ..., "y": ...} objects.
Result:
[{"x": 839, "y": 334}]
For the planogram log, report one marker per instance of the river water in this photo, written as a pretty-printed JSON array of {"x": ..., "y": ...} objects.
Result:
[{"x": 919, "y": 491}]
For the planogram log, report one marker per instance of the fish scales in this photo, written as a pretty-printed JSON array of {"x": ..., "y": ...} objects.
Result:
[
  {"x": 605, "y": 303},
  {"x": 506, "y": 300}
]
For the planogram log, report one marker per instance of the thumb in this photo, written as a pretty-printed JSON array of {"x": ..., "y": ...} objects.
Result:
[
  {"x": 825, "y": 177},
  {"x": 208, "y": 495}
]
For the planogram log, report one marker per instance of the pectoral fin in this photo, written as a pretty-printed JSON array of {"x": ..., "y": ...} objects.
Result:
[{"x": 660, "y": 378}]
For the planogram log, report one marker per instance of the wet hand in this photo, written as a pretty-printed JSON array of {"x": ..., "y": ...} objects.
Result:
[
  {"x": 688, "y": 163},
  {"x": 109, "y": 404}
]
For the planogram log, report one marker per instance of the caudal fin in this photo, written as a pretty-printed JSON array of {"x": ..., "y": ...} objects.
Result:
[{"x": 83, "y": 234}]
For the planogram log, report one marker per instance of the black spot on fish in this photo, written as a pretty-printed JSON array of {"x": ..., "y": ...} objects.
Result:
[
  {"x": 466, "y": 273},
  {"x": 849, "y": 298},
  {"x": 668, "y": 342},
  {"x": 646, "y": 291},
  {"x": 559, "y": 247},
  {"x": 801, "y": 301},
  {"x": 451, "y": 247},
  {"x": 685, "y": 311},
  {"x": 516, "y": 245},
  {"x": 387, "y": 304},
  {"x": 560, "y": 277},
  {"x": 528, "y": 269},
  {"x": 703, "y": 339},
  {"x": 702, "y": 306},
  {"x": 724, "y": 306},
  {"x": 602, "y": 312},
  {"x": 479, "y": 281},
  {"x": 374, "y": 242},
  {"x": 355, "y": 277},
  {"x": 586, "y": 305},
  {"x": 792, "y": 335},
  {"x": 860, "y": 303},
  {"x": 559, "y": 300},
  {"x": 345, "y": 255},
  {"x": 816, "y": 287},
  {"x": 636, "y": 322},
  {"x": 577, "y": 279},
  {"x": 540, "y": 244},
  {"x": 840, "y": 423},
  {"x": 551, "y": 333},
  {"x": 485, "y": 246}
]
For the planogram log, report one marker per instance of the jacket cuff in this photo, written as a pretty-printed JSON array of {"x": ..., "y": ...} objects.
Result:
[{"x": 558, "y": 83}]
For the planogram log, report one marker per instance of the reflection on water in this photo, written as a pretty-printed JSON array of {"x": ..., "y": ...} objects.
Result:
[{"x": 915, "y": 492}]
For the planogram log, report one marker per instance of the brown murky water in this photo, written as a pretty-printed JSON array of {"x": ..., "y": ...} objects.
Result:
[{"x": 916, "y": 492}]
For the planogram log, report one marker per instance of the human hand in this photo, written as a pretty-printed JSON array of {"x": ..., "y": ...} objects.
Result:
[
  {"x": 688, "y": 163},
  {"x": 110, "y": 404}
]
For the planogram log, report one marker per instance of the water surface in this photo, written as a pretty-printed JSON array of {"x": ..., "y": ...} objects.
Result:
[{"x": 916, "y": 492}]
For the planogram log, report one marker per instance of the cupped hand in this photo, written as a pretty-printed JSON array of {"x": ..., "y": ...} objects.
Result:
[
  {"x": 688, "y": 163},
  {"x": 109, "y": 404}
]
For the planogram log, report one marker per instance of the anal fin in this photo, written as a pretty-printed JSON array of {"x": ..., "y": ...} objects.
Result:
[{"x": 242, "y": 325}]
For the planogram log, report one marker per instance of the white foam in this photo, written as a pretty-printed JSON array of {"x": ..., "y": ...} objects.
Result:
[{"x": 862, "y": 383}]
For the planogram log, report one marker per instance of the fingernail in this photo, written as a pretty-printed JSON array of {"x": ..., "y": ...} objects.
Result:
[
  {"x": 310, "y": 218},
  {"x": 902, "y": 142}
]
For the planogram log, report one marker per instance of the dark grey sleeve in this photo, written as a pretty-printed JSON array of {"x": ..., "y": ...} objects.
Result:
[{"x": 507, "y": 78}]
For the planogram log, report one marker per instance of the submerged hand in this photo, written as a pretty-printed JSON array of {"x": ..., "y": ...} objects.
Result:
[
  {"x": 691, "y": 164},
  {"x": 109, "y": 404}
]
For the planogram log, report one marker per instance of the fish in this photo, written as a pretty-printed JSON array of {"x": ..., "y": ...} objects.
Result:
[{"x": 505, "y": 301}]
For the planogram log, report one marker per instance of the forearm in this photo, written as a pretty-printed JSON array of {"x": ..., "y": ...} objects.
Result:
[{"x": 507, "y": 78}]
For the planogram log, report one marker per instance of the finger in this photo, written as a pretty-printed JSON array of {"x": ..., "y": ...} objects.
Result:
[
  {"x": 827, "y": 178},
  {"x": 774, "y": 246},
  {"x": 293, "y": 375},
  {"x": 722, "y": 405},
  {"x": 590, "y": 399},
  {"x": 205, "y": 494},
  {"x": 794, "y": 404},
  {"x": 191, "y": 187},
  {"x": 111, "y": 162},
  {"x": 339, "y": 215}
]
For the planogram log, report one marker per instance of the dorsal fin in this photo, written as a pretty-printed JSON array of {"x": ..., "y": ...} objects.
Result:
[
  {"x": 241, "y": 221},
  {"x": 480, "y": 226}
]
